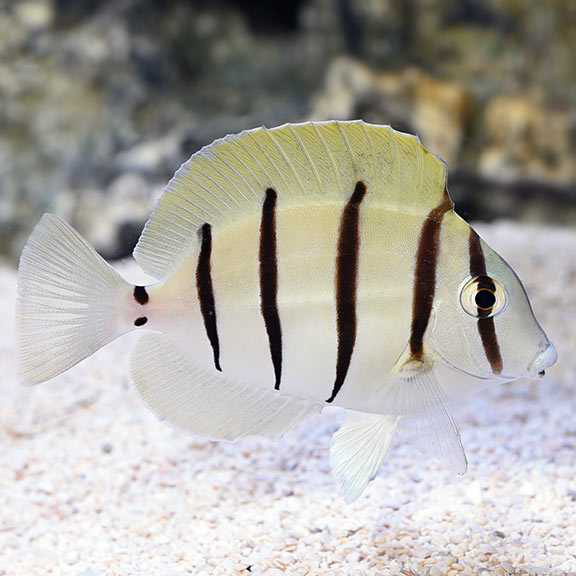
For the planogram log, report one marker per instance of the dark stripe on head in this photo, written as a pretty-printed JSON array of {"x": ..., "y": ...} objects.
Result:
[
  {"x": 206, "y": 292},
  {"x": 269, "y": 282},
  {"x": 486, "y": 327},
  {"x": 346, "y": 285},
  {"x": 425, "y": 275},
  {"x": 141, "y": 295}
]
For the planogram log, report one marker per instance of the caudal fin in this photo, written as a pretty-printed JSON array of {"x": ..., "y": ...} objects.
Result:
[{"x": 69, "y": 301}]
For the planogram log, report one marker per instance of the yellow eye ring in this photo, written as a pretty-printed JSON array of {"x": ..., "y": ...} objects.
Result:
[{"x": 482, "y": 297}]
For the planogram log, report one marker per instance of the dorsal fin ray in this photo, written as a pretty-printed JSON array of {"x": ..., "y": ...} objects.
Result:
[{"x": 313, "y": 161}]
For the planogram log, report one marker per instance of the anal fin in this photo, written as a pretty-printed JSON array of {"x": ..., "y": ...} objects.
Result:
[
  {"x": 358, "y": 450},
  {"x": 207, "y": 404}
]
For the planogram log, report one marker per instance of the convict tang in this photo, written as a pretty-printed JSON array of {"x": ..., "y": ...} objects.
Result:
[{"x": 297, "y": 267}]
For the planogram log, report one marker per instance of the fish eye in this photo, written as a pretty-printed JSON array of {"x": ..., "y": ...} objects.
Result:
[
  {"x": 485, "y": 299},
  {"x": 482, "y": 297}
]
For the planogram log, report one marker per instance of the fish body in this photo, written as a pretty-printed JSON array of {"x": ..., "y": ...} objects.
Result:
[
  {"x": 299, "y": 267},
  {"x": 307, "y": 239}
]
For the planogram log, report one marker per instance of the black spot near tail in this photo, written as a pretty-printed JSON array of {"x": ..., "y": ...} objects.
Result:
[{"x": 141, "y": 295}]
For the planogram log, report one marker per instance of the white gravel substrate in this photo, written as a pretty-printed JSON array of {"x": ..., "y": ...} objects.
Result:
[{"x": 92, "y": 485}]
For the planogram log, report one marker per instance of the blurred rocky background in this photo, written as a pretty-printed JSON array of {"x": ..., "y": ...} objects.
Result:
[{"x": 101, "y": 100}]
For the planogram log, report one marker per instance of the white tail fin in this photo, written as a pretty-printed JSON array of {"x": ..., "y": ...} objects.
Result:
[{"x": 69, "y": 301}]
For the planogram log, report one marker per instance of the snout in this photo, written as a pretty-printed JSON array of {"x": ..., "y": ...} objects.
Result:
[{"x": 544, "y": 360}]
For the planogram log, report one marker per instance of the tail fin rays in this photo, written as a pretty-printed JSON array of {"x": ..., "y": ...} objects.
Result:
[{"x": 69, "y": 301}]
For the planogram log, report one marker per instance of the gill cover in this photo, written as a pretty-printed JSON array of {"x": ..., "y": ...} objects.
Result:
[{"x": 484, "y": 324}]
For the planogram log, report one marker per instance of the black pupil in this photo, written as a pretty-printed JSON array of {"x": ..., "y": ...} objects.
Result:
[{"x": 485, "y": 299}]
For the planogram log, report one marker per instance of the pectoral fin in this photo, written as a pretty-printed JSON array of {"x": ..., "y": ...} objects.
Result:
[
  {"x": 438, "y": 437},
  {"x": 358, "y": 451},
  {"x": 417, "y": 395}
]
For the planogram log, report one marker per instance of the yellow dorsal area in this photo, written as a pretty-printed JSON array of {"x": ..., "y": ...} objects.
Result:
[{"x": 303, "y": 163}]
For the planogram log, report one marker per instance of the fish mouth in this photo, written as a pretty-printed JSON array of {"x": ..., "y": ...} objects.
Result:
[{"x": 545, "y": 359}]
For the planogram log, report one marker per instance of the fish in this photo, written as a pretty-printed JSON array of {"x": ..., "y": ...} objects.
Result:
[{"x": 295, "y": 268}]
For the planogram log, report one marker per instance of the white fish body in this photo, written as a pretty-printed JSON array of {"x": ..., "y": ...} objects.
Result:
[
  {"x": 306, "y": 265},
  {"x": 306, "y": 305}
]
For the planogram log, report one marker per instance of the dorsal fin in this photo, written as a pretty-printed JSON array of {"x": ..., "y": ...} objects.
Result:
[{"x": 313, "y": 161}]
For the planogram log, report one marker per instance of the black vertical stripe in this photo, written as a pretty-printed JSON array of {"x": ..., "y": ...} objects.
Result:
[
  {"x": 346, "y": 285},
  {"x": 206, "y": 292},
  {"x": 269, "y": 282},
  {"x": 486, "y": 327},
  {"x": 425, "y": 275}
]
